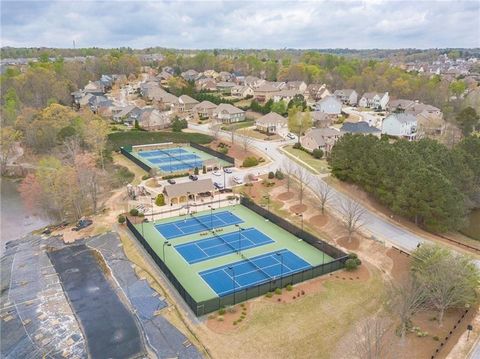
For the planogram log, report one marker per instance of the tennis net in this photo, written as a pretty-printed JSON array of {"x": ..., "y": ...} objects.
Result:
[{"x": 179, "y": 158}]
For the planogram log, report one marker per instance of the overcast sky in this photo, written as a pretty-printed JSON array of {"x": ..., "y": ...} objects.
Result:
[{"x": 242, "y": 24}]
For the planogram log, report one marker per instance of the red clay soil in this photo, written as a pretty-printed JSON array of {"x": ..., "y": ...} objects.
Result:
[
  {"x": 298, "y": 208},
  {"x": 319, "y": 220},
  {"x": 354, "y": 244},
  {"x": 401, "y": 264},
  {"x": 285, "y": 196}
]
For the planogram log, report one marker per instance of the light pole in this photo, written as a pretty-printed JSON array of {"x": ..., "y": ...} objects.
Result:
[
  {"x": 240, "y": 229},
  {"x": 267, "y": 197},
  {"x": 188, "y": 202},
  {"x": 301, "y": 217},
  {"x": 151, "y": 204},
  {"x": 211, "y": 217},
  {"x": 168, "y": 244},
  {"x": 281, "y": 268},
  {"x": 233, "y": 282}
]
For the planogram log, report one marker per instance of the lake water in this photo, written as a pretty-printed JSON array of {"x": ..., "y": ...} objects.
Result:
[{"x": 15, "y": 219}]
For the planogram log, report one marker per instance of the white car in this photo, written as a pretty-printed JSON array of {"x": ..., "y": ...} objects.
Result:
[
  {"x": 291, "y": 136},
  {"x": 227, "y": 170},
  {"x": 216, "y": 173},
  {"x": 237, "y": 180}
]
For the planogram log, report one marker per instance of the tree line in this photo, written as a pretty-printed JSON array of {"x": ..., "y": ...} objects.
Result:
[{"x": 424, "y": 181}]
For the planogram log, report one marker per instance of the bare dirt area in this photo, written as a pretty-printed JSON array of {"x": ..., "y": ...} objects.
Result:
[
  {"x": 401, "y": 264},
  {"x": 353, "y": 244},
  {"x": 285, "y": 196},
  {"x": 298, "y": 208},
  {"x": 319, "y": 220}
]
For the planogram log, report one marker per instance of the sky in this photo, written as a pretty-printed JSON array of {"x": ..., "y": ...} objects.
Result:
[{"x": 241, "y": 24}]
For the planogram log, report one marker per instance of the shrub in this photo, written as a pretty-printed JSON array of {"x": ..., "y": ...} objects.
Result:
[
  {"x": 176, "y": 175},
  {"x": 220, "y": 318},
  {"x": 250, "y": 162},
  {"x": 121, "y": 219},
  {"x": 141, "y": 214},
  {"x": 317, "y": 153},
  {"x": 355, "y": 257},
  {"x": 289, "y": 287},
  {"x": 195, "y": 171},
  {"x": 279, "y": 175},
  {"x": 351, "y": 265},
  {"x": 204, "y": 169},
  {"x": 223, "y": 150},
  {"x": 436, "y": 338},
  {"x": 271, "y": 175},
  {"x": 297, "y": 145},
  {"x": 221, "y": 311},
  {"x": 278, "y": 291},
  {"x": 134, "y": 212},
  {"x": 160, "y": 200},
  {"x": 178, "y": 125},
  {"x": 269, "y": 295},
  {"x": 145, "y": 177}
]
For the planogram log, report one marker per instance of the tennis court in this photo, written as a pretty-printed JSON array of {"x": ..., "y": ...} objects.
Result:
[
  {"x": 194, "y": 224},
  {"x": 249, "y": 272},
  {"x": 222, "y": 244}
]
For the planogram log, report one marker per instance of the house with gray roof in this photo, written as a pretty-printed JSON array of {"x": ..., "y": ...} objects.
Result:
[
  {"x": 347, "y": 96},
  {"x": 330, "y": 105},
  {"x": 374, "y": 100},
  {"x": 204, "y": 109},
  {"x": 185, "y": 103},
  {"x": 320, "y": 138},
  {"x": 227, "y": 113},
  {"x": 272, "y": 124},
  {"x": 361, "y": 127},
  {"x": 402, "y": 125}
]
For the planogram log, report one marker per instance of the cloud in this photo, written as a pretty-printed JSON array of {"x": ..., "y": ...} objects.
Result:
[{"x": 242, "y": 24}]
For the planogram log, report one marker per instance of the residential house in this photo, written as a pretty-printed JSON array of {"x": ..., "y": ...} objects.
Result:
[
  {"x": 94, "y": 88},
  {"x": 185, "y": 103},
  {"x": 189, "y": 75},
  {"x": 330, "y": 105},
  {"x": 99, "y": 104},
  {"x": 227, "y": 113},
  {"x": 119, "y": 114},
  {"x": 210, "y": 74},
  {"x": 347, "y": 96},
  {"x": 147, "y": 87},
  {"x": 402, "y": 125},
  {"x": 316, "y": 92},
  {"x": 361, "y": 127},
  {"x": 265, "y": 92},
  {"x": 107, "y": 82},
  {"x": 321, "y": 119},
  {"x": 242, "y": 91},
  {"x": 182, "y": 192},
  {"x": 163, "y": 77},
  {"x": 253, "y": 81},
  {"x": 285, "y": 95},
  {"x": 301, "y": 86},
  {"x": 320, "y": 138},
  {"x": 206, "y": 84},
  {"x": 279, "y": 84},
  {"x": 224, "y": 76},
  {"x": 430, "y": 120},
  {"x": 162, "y": 99},
  {"x": 374, "y": 100},
  {"x": 151, "y": 119},
  {"x": 204, "y": 109},
  {"x": 399, "y": 105},
  {"x": 272, "y": 124},
  {"x": 225, "y": 87}
]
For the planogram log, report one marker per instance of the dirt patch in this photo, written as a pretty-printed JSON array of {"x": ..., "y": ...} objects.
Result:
[
  {"x": 224, "y": 323},
  {"x": 351, "y": 245},
  {"x": 401, "y": 264},
  {"x": 298, "y": 208},
  {"x": 285, "y": 196},
  {"x": 320, "y": 220}
]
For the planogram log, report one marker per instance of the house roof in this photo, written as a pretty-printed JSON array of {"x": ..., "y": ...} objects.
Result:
[
  {"x": 320, "y": 134},
  {"x": 187, "y": 100},
  {"x": 205, "y": 105},
  {"x": 318, "y": 116},
  {"x": 225, "y": 84},
  {"x": 402, "y": 117},
  {"x": 343, "y": 92},
  {"x": 369, "y": 95},
  {"x": 400, "y": 103},
  {"x": 329, "y": 98},
  {"x": 359, "y": 127},
  {"x": 271, "y": 118},
  {"x": 418, "y": 108},
  {"x": 193, "y": 187},
  {"x": 226, "y": 107},
  {"x": 267, "y": 87},
  {"x": 288, "y": 93}
]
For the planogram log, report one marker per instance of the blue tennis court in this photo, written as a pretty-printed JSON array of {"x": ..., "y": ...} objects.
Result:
[
  {"x": 247, "y": 273},
  {"x": 172, "y": 159},
  {"x": 195, "y": 224},
  {"x": 163, "y": 152},
  {"x": 222, "y": 244}
]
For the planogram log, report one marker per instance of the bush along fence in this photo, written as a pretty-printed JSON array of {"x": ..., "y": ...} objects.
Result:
[
  {"x": 212, "y": 152},
  {"x": 211, "y": 305},
  {"x": 126, "y": 153}
]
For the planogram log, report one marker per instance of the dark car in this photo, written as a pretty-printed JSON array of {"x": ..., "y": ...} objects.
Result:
[
  {"x": 171, "y": 181},
  {"x": 193, "y": 177},
  {"x": 81, "y": 224}
]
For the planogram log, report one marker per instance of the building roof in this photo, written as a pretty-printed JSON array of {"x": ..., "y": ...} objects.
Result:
[
  {"x": 359, "y": 127},
  {"x": 192, "y": 187},
  {"x": 288, "y": 93},
  {"x": 343, "y": 92},
  {"x": 320, "y": 134},
  {"x": 205, "y": 105},
  {"x": 329, "y": 98},
  {"x": 402, "y": 117},
  {"x": 225, "y": 84},
  {"x": 267, "y": 87},
  {"x": 226, "y": 107},
  {"x": 318, "y": 116},
  {"x": 271, "y": 118},
  {"x": 187, "y": 100},
  {"x": 400, "y": 103},
  {"x": 369, "y": 95}
]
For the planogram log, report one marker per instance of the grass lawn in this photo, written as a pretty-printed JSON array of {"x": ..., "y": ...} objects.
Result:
[
  {"x": 127, "y": 138},
  {"x": 321, "y": 166},
  {"x": 250, "y": 132},
  {"x": 132, "y": 167},
  {"x": 238, "y": 125}
]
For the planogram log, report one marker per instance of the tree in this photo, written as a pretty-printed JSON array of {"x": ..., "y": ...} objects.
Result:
[
  {"x": 468, "y": 120},
  {"x": 317, "y": 153},
  {"x": 9, "y": 138},
  {"x": 89, "y": 178},
  {"x": 246, "y": 142},
  {"x": 215, "y": 130},
  {"x": 179, "y": 124},
  {"x": 299, "y": 122},
  {"x": 160, "y": 200},
  {"x": 371, "y": 340},
  {"x": 288, "y": 168},
  {"x": 279, "y": 107},
  {"x": 96, "y": 137},
  {"x": 324, "y": 192},
  {"x": 353, "y": 216},
  {"x": 450, "y": 279},
  {"x": 405, "y": 300},
  {"x": 303, "y": 177}
]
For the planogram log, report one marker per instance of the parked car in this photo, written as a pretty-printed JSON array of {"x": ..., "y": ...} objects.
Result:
[
  {"x": 228, "y": 170},
  {"x": 291, "y": 136},
  {"x": 171, "y": 181},
  {"x": 217, "y": 185},
  {"x": 216, "y": 173},
  {"x": 81, "y": 224},
  {"x": 237, "y": 180},
  {"x": 193, "y": 177}
]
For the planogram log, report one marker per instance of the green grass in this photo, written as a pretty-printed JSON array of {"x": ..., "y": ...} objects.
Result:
[
  {"x": 119, "y": 139},
  {"x": 320, "y": 165},
  {"x": 188, "y": 275},
  {"x": 238, "y": 125}
]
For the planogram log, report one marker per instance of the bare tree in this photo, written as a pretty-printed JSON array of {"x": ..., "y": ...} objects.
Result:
[
  {"x": 405, "y": 300},
  {"x": 303, "y": 177},
  {"x": 232, "y": 135},
  {"x": 288, "y": 167},
  {"x": 72, "y": 145},
  {"x": 353, "y": 216},
  {"x": 371, "y": 341},
  {"x": 323, "y": 192},
  {"x": 215, "y": 130},
  {"x": 246, "y": 142}
]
